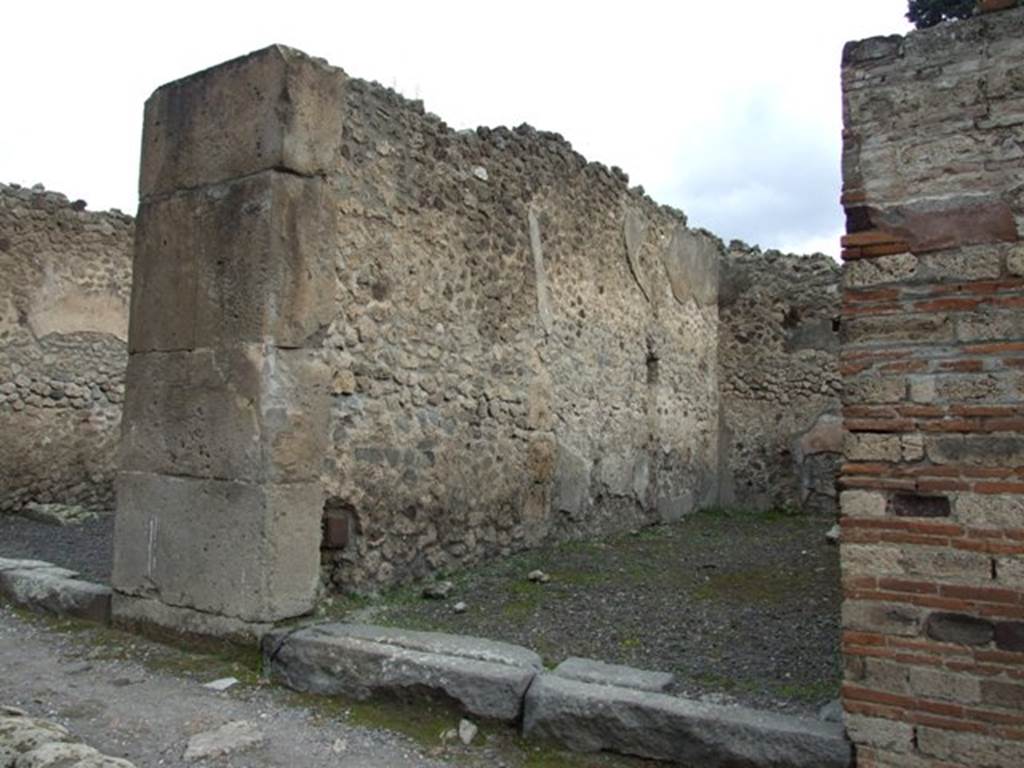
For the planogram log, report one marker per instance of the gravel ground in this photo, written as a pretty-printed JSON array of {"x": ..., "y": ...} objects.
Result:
[
  {"x": 742, "y": 608},
  {"x": 141, "y": 700},
  {"x": 85, "y": 547}
]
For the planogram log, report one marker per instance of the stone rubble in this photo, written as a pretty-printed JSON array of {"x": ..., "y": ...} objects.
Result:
[
  {"x": 29, "y": 742},
  {"x": 228, "y": 739}
]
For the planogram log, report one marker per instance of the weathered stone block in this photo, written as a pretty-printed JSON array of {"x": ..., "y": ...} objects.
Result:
[
  {"x": 862, "y": 503},
  {"x": 40, "y": 586},
  {"x": 878, "y": 733},
  {"x": 959, "y": 628},
  {"x": 888, "y": 618},
  {"x": 249, "y": 552},
  {"x": 247, "y": 413},
  {"x": 872, "y": 390},
  {"x": 1010, "y": 571},
  {"x": 1002, "y": 694},
  {"x": 600, "y": 673},
  {"x": 879, "y": 271},
  {"x": 274, "y": 108},
  {"x": 898, "y": 328},
  {"x": 592, "y": 718},
  {"x": 976, "y": 450},
  {"x": 871, "y": 446},
  {"x": 980, "y": 510},
  {"x": 1009, "y": 636},
  {"x": 484, "y": 677},
  {"x": 948, "y": 686},
  {"x": 246, "y": 261},
  {"x": 913, "y": 505},
  {"x": 969, "y": 748}
]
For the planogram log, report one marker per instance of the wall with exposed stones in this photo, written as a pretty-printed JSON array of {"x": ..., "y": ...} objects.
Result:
[
  {"x": 778, "y": 350},
  {"x": 524, "y": 347},
  {"x": 933, "y": 368},
  {"x": 63, "y": 326},
  {"x": 449, "y": 346}
]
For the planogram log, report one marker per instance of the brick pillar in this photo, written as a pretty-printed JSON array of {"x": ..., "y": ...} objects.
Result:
[
  {"x": 225, "y": 420},
  {"x": 933, "y": 369}
]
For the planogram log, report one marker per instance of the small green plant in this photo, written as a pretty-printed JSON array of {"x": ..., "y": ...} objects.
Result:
[{"x": 928, "y": 13}]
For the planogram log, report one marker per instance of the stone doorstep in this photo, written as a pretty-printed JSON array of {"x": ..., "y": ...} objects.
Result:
[
  {"x": 47, "y": 588},
  {"x": 503, "y": 682}
]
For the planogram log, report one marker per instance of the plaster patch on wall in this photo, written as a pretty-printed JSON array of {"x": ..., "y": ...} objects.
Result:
[
  {"x": 691, "y": 263},
  {"x": 634, "y": 228},
  {"x": 536, "y": 248}
]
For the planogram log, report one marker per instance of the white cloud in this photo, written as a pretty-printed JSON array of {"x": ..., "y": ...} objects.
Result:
[{"x": 727, "y": 110}]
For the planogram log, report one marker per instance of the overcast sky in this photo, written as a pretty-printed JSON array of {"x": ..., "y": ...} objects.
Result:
[{"x": 728, "y": 109}]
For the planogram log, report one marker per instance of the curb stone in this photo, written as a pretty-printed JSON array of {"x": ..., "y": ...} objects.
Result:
[
  {"x": 585, "y": 705},
  {"x": 601, "y": 673},
  {"x": 48, "y": 588},
  {"x": 589, "y": 718},
  {"x": 486, "y": 678}
]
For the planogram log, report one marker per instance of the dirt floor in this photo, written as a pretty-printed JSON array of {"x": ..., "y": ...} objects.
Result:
[
  {"x": 741, "y": 607},
  {"x": 86, "y": 547},
  {"x": 141, "y": 700}
]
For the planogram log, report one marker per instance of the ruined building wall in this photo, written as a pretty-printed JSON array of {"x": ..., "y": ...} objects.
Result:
[
  {"x": 778, "y": 351},
  {"x": 64, "y": 290},
  {"x": 933, "y": 367},
  {"x": 450, "y": 345},
  {"x": 524, "y": 348}
]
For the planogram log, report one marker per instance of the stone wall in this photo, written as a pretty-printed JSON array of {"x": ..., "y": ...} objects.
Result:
[
  {"x": 63, "y": 326},
  {"x": 524, "y": 348},
  {"x": 449, "y": 346},
  {"x": 933, "y": 369},
  {"x": 779, "y": 380}
]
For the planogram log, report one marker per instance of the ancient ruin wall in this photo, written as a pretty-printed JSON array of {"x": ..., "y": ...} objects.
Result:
[
  {"x": 933, "y": 370},
  {"x": 66, "y": 276},
  {"x": 778, "y": 350},
  {"x": 524, "y": 348},
  {"x": 448, "y": 345}
]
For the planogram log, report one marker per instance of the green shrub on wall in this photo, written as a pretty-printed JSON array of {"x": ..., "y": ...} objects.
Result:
[{"x": 928, "y": 13}]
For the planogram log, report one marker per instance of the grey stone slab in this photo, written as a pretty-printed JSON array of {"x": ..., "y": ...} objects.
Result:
[
  {"x": 14, "y": 564},
  {"x": 55, "y": 591},
  {"x": 486, "y": 679},
  {"x": 274, "y": 108},
  {"x": 244, "y": 261},
  {"x": 600, "y": 673},
  {"x": 141, "y": 613},
  {"x": 248, "y": 552},
  {"x": 249, "y": 413},
  {"x": 462, "y": 646},
  {"x": 591, "y": 718}
]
